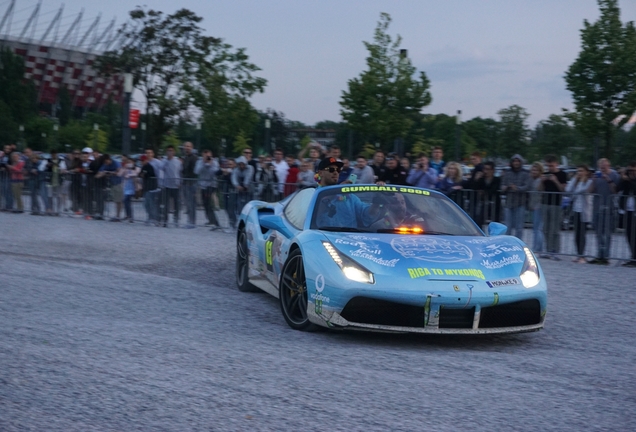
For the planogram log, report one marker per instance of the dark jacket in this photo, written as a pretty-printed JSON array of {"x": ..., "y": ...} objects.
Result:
[{"x": 189, "y": 163}]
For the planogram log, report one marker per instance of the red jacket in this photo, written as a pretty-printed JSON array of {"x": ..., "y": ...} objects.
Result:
[
  {"x": 290, "y": 181},
  {"x": 16, "y": 171}
]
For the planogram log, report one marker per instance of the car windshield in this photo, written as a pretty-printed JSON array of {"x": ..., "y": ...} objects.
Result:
[{"x": 389, "y": 209}]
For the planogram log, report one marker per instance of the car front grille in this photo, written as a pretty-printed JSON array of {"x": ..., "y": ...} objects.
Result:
[
  {"x": 521, "y": 313},
  {"x": 456, "y": 318},
  {"x": 366, "y": 310}
]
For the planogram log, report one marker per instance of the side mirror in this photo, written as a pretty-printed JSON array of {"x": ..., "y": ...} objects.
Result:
[
  {"x": 274, "y": 222},
  {"x": 496, "y": 229}
]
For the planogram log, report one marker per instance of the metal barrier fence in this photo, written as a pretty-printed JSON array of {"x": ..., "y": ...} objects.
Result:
[{"x": 583, "y": 225}]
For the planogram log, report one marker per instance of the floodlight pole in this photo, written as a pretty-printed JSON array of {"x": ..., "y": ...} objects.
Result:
[{"x": 128, "y": 88}]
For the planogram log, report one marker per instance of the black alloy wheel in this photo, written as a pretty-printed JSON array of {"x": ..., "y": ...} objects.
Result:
[
  {"x": 293, "y": 293},
  {"x": 242, "y": 264}
]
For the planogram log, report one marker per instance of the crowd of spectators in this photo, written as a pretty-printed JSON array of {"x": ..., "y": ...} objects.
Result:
[{"x": 82, "y": 182}]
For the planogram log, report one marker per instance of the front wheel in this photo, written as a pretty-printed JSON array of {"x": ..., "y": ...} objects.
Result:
[
  {"x": 242, "y": 264},
  {"x": 293, "y": 293}
]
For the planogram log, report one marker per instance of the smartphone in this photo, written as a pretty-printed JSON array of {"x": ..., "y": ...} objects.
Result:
[
  {"x": 353, "y": 178},
  {"x": 598, "y": 175}
]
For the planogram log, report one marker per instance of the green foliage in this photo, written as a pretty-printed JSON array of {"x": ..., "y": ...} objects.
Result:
[
  {"x": 8, "y": 127},
  {"x": 556, "y": 135},
  {"x": 73, "y": 134},
  {"x": 38, "y": 133},
  {"x": 240, "y": 143},
  {"x": 17, "y": 94},
  {"x": 97, "y": 140},
  {"x": 368, "y": 150},
  {"x": 177, "y": 67},
  {"x": 66, "y": 109},
  {"x": 384, "y": 102},
  {"x": 484, "y": 133},
  {"x": 304, "y": 141},
  {"x": 514, "y": 134},
  {"x": 602, "y": 78}
]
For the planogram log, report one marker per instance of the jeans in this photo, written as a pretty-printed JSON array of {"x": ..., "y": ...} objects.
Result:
[
  {"x": 189, "y": 192},
  {"x": 7, "y": 192},
  {"x": 150, "y": 204},
  {"x": 537, "y": 230},
  {"x": 44, "y": 196},
  {"x": 128, "y": 206},
  {"x": 514, "y": 220},
  {"x": 580, "y": 229},
  {"x": 53, "y": 200},
  {"x": 552, "y": 227},
  {"x": 168, "y": 194},
  {"x": 34, "y": 188},
  {"x": 604, "y": 224}
]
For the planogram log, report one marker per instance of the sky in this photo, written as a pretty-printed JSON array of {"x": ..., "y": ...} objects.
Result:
[{"x": 480, "y": 56}]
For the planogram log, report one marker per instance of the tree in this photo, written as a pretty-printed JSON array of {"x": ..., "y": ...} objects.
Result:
[
  {"x": 73, "y": 134},
  {"x": 240, "y": 143},
  {"x": 555, "y": 135},
  {"x": 384, "y": 101},
  {"x": 97, "y": 140},
  {"x": 484, "y": 132},
  {"x": 603, "y": 77},
  {"x": 514, "y": 134},
  {"x": 176, "y": 67},
  {"x": 19, "y": 95}
]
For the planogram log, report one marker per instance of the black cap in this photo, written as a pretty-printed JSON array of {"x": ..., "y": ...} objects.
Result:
[{"x": 327, "y": 162}]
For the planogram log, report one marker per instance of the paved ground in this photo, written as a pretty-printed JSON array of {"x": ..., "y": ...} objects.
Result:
[{"x": 123, "y": 327}]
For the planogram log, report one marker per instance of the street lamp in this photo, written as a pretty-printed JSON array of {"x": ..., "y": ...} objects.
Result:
[
  {"x": 268, "y": 125},
  {"x": 199, "y": 137},
  {"x": 143, "y": 135},
  {"x": 21, "y": 128},
  {"x": 56, "y": 127},
  {"x": 128, "y": 88},
  {"x": 457, "y": 134}
]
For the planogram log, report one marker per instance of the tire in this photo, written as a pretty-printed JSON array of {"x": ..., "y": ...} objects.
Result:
[
  {"x": 293, "y": 293},
  {"x": 243, "y": 264}
]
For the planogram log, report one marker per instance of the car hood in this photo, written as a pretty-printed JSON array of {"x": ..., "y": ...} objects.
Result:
[{"x": 433, "y": 256}]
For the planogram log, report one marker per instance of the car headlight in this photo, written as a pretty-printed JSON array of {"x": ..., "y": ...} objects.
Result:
[
  {"x": 350, "y": 268},
  {"x": 530, "y": 272}
]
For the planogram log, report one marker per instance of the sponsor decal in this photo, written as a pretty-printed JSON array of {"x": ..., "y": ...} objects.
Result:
[
  {"x": 383, "y": 189},
  {"x": 360, "y": 253},
  {"x": 432, "y": 249},
  {"x": 479, "y": 241},
  {"x": 505, "y": 261},
  {"x": 418, "y": 272},
  {"x": 367, "y": 249},
  {"x": 493, "y": 250},
  {"x": 503, "y": 282},
  {"x": 318, "y": 298},
  {"x": 269, "y": 256},
  {"x": 320, "y": 283}
]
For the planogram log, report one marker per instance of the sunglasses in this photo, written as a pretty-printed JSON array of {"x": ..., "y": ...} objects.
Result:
[
  {"x": 333, "y": 169},
  {"x": 247, "y": 152}
]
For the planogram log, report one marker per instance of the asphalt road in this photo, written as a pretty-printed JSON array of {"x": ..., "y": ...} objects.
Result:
[{"x": 109, "y": 326}]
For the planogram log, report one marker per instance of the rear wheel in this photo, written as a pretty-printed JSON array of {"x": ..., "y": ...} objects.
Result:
[
  {"x": 242, "y": 264},
  {"x": 293, "y": 293}
]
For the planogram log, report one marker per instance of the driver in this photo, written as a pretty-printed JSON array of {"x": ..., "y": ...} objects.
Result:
[
  {"x": 342, "y": 210},
  {"x": 398, "y": 215}
]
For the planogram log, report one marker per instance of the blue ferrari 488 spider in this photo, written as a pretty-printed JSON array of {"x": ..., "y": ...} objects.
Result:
[{"x": 390, "y": 259}]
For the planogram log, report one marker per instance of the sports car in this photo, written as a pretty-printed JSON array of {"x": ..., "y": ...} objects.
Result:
[{"x": 389, "y": 259}]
